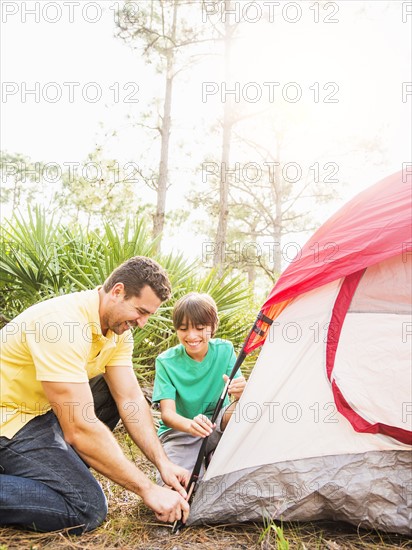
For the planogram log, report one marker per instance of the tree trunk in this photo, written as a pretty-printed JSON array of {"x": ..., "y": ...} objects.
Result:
[
  {"x": 159, "y": 217},
  {"x": 251, "y": 266},
  {"x": 16, "y": 193},
  {"x": 220, "y": 241},
  {"x": 277, "y": 233}
]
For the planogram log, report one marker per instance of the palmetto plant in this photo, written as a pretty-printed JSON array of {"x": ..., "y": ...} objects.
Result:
[
  {"x": 41, "y": 258},
  {"x": 30, "y": 267}
]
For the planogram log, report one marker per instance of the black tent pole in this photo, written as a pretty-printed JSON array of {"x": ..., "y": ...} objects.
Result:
[
  {"x": 198, "y": 464},
  {"x": 178, "y": 524}
]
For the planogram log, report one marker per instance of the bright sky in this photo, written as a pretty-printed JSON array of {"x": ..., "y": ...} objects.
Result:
[{"x": 354, "y": 54}]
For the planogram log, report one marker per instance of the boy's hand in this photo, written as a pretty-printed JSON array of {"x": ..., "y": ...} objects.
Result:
[
  {"x": 201, "y": 426},
  {"x": 236, "y": 386}
]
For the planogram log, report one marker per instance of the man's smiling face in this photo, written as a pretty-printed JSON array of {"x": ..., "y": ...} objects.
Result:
[{"x": 122, "y": 314}]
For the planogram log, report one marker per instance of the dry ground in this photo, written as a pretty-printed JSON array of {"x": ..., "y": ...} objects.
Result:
[{"x": 130, "y": 525}]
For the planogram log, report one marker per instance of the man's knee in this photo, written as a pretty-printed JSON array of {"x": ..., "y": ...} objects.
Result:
[
  {"x": 48, "y": 509},
  {"x": 93, "y": 512}
]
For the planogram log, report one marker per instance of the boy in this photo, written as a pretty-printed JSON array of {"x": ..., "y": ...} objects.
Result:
[{"x": 189, "y": 381}]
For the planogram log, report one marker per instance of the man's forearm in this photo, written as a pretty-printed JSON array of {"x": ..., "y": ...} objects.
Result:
[
  {"x": 141, "y": 429},
  {"x": 99, "y": 449}
]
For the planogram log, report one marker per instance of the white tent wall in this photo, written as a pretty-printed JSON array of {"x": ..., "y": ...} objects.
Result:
[
  {"x": 289, "y": 454},
  {"x": 385, "y": 287},
  {"x": 373, "y": 360}
]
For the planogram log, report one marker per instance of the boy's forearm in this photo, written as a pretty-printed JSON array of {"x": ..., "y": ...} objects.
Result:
[
  {"x": 176, "y": 421},
  {"x": 199, "y": 426}
]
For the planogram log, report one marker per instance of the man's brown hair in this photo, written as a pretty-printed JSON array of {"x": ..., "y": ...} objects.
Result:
[
  {"x": 196, "y": 308},
  {"x": 138, "y": 272}
]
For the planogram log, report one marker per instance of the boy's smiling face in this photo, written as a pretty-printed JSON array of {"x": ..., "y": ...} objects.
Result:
[{"x": 195, "y": 339}]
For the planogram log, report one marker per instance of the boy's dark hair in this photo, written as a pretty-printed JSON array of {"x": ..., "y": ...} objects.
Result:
[
  {"x": 138, "y": 272},
  {"x": 199, "y": 309}
]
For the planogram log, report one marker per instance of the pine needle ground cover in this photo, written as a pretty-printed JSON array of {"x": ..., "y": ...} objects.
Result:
[{"x": 130, "y": 525}]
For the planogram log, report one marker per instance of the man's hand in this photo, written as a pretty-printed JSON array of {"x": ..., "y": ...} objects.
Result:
[
  {"x": 174, "y": 476},
  {"x": 236, "y": 386},
  {"x": 167, "y": 505}
]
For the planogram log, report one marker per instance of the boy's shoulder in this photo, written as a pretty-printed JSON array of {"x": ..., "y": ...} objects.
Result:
[
  {"x": 171, "y": 353},
  {"x": 220, "y": 344}
]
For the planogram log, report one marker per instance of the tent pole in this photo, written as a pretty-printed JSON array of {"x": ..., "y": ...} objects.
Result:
[
  {"x": 261, "y": 318},
  {"x": 178, "y": 525}
]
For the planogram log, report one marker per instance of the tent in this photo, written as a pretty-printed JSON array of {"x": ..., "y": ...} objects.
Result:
[{"x": 324, "y": 427}]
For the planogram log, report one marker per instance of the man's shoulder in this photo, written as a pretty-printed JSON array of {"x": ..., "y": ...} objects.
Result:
[
  {"x": 64, "y": 306},
  {"x": 80, "y": 299}
]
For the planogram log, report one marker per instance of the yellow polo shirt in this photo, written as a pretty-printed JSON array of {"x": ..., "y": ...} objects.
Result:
[{"x": 58, "y": 340}]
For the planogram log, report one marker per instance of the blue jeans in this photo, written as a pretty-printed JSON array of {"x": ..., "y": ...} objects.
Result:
[{"x": 44, "y": 484}]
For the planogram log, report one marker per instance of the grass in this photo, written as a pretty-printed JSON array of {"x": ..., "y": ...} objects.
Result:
[
  {"x": 130, "y": 525},
  {"x": 281, "y": 541}
]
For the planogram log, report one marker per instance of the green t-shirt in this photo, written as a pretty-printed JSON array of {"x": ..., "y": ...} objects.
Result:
[{"x": 194, "y": 386}]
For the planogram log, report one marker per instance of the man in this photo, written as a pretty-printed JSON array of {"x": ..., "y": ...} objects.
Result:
[{"x": 54, "y": 424}]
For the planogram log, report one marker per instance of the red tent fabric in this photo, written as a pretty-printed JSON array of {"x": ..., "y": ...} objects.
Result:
[{"x": 373, "y": 226}]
